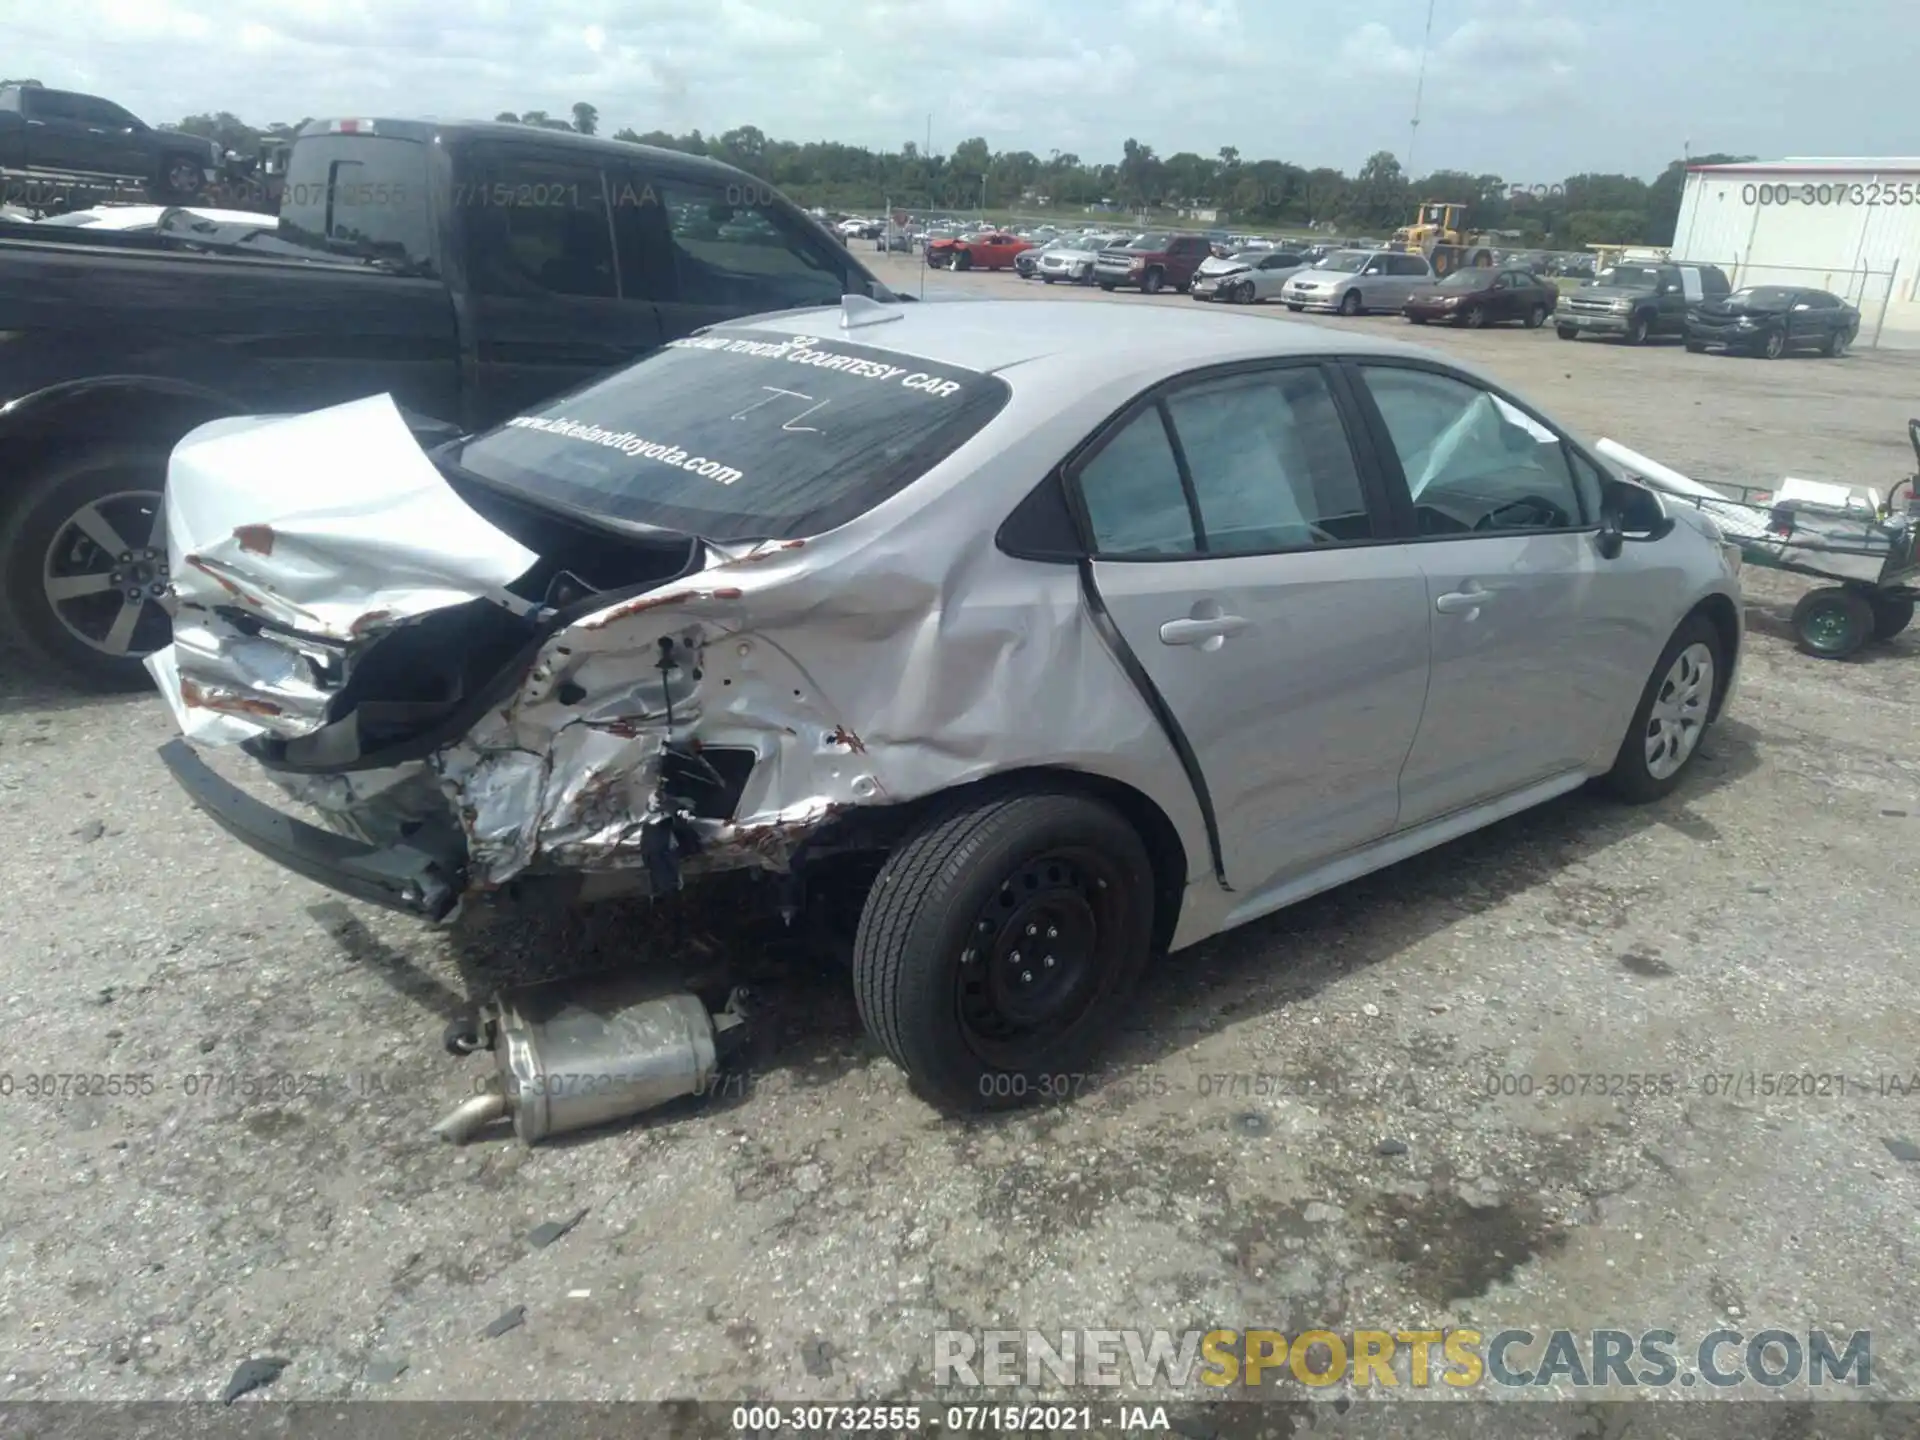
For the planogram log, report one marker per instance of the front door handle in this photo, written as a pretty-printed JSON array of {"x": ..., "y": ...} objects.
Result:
[
  {"x": 1458, "y": 602},
  {"x": 1198, "y": 632}
]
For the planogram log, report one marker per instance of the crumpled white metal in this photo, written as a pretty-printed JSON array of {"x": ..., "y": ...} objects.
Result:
[
  {"x": 352, "y": 547},
  {"x": 263, "y": 516}
]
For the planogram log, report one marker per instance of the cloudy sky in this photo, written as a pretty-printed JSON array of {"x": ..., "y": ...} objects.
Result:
[{"x": 1531, "y": 90}]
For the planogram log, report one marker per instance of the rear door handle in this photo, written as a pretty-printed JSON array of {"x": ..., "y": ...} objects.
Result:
[
  {"x": 1198, "y": 632},
  {"x": 1457, "y": 602}
]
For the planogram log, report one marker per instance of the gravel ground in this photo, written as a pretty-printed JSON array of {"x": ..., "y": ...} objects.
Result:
[{"x": 1299, "y": 1131}]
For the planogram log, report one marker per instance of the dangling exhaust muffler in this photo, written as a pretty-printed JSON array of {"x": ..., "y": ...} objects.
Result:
[{"x": 572, "y": 1055}]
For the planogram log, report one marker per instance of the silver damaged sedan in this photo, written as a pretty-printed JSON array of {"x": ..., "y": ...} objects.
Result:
[{"x": 1090, "y": 631}]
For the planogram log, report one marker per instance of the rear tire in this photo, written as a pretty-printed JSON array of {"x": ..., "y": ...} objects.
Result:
[
  {"x": 1672, "y": 715},
  {"x": 1891, "y": 615},
  {"x": 947, "y": 942},
  {"x": 45, "y": 546},
  {"x": 181, "y": 178},
  {"x": 1833, "y": 622}
]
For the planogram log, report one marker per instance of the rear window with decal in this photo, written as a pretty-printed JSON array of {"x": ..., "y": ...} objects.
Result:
[{"x": 741, "y": 433}]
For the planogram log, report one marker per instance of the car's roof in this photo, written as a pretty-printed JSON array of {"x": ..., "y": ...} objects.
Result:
[{"x": 1096, "y": 339}]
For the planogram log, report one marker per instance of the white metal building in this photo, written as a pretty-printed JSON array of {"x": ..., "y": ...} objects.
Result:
[{"x": 1850, "y": 225}]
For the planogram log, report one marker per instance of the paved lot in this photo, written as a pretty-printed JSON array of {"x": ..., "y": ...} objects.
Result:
[{"x": 804, "y": 1236}]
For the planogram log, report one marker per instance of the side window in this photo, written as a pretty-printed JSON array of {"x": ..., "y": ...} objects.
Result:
[
  {"x": 1473, "y": 462},
  {"x": 535, "y": 228},
  {"x": 102, "y": 112},
  {"x": 1588, "y": 480},
  {"x": 55, "y": 105},
  {"x": 1821, "y": 300},
  {"x": 1133, "y": 493},
  {"x": 734, "y": 247},
  {"x": 1271, "y": 466}
]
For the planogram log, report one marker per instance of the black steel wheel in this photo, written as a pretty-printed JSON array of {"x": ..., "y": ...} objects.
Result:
[
  {"x": 998, "y": 944},
  {"x": 1833, "y": 622}
]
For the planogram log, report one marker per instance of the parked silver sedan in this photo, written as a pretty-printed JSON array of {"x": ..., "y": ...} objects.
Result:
[
  {"x": 1036, "y": 638},
  {"x": 1247, "y": 277},
  {"x": 1356, "y": 282}
]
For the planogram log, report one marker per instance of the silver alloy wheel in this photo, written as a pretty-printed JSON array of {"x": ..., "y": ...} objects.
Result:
[
  {"x": 183, "y": 177},
  {"x": 1679, "y": 711},
  {"x": 1839, "y": 346},
  {"x": 105, "y": 572}
]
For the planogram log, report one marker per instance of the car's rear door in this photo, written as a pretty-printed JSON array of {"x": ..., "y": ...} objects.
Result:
[
  {"x": 1236, "y": 535},
  {"x": 709, "y": 249},
  {"x": 57, "y": 131},
  {"x": 1536, "y": 635},
  {"x": 546, "y": 301}
]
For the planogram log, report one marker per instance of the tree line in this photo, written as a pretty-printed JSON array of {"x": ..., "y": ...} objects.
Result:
[{"x": 1261, "y": 194}]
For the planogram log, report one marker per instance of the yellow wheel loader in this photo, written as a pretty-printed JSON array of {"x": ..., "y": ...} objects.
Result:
[{"x": 1436, "y": 234}]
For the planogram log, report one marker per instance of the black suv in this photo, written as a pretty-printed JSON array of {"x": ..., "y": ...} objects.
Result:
[{"x": 1635, "y": 301}]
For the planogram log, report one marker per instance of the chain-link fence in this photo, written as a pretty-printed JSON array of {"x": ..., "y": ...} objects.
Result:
[{"x": 1888, "y": 315}]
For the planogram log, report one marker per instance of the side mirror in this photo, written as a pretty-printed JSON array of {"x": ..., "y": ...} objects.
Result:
[{"x": 1613, "y": 534}]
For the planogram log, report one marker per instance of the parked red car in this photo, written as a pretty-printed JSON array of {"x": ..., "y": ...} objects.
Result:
[
  {"x": 989, "y": 250},
  {"x": 1484, "y": 296}
]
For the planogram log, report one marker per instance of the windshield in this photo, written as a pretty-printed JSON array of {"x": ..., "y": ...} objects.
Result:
[
  {"x": 1466, "y": 280},
  {"x": 741, "y": 433},
  {"x": 1152, "y": 240},
  {"x": 1763, "y": 297},
  {"x": 1346, "y": 262},
  {"x": 1249, "y": 257},
  {"x": 359, "y": 194},
  {"x": 1630, "y": 277}
]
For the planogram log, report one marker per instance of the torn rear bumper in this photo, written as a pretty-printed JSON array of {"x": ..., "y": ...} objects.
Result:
[{"x": 422, "y": 876}]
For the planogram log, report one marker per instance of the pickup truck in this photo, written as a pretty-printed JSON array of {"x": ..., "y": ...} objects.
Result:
[
  {"x": 469, "y": 270},
  {"x": 1636, "y": 302},
  {"x": 62, "y": 132},
  {"x": 1152, "y": 261}
]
